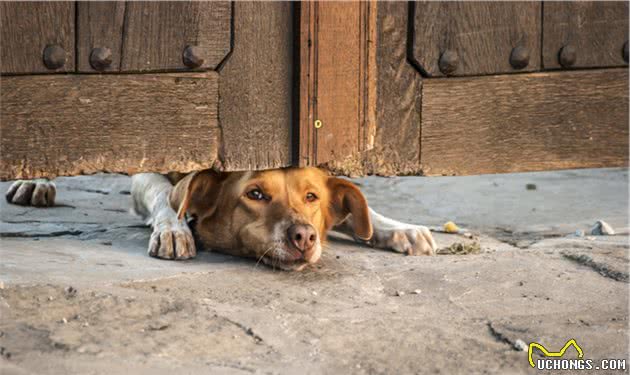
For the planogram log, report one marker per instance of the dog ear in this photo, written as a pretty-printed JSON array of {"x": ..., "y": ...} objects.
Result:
[
  {"x": 196, "y": 194},
  {"x": 347, "y": 199}
]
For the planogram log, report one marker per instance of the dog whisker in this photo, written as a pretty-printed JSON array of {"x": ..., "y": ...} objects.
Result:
[{"x": 262, "y": 256}]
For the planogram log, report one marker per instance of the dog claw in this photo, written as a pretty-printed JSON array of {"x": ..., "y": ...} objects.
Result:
[
  {"x": 172, "y": 242},
  {"x": 154, "y": 244}
]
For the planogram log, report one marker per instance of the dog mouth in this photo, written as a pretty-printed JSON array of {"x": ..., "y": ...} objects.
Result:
[
  {"x": 285, "y": 265},
  {"x": 285, "y": 257}
]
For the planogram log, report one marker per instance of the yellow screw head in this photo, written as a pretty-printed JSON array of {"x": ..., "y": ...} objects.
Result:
[{"x": 318, "y": 124}]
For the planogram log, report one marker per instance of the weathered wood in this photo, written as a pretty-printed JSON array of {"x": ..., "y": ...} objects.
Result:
[
  {"x": 483, "y": 34},
  {"x": 256, "y": 88},
  {"x": 156, "y": 34},
  {"x": 395, "y": 100},
  {"x": 596, "y": 29},
  {"x": 335, "y": 80},
  {"x": 99, "y": 25},
  {"x": 75, "y": 124},
  {"x": 308, "y": 78},
  {"x": 529, "y": 122},
  {"x": 27, "y": 28}
]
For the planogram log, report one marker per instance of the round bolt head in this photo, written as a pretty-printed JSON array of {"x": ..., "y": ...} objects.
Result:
[
  {"x": 54, "y": 56},
  {"x": 519, "y": 58},
  {"x": 101, "y": 58},
  {"x": 567, "y": 56},
  {"x": 625, "y": 51},
  {"x": 449, "y": 60},
  {"x": 192, "y": 57}
]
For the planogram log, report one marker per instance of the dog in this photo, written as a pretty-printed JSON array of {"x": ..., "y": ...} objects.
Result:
[{"x": 280, "y": 217}]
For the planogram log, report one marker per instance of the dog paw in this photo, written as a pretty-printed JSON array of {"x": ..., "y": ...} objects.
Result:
[
  {"x": 410, "y": 240},
  {"x": 172, "y": 241},
  {"x": 38, "y": 193}
]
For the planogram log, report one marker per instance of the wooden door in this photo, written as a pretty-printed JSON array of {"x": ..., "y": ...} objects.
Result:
[
  {"x": 477, "y": 87},
  {"x": 170, "y": 86},
  {"x": 357, "y": 87}
]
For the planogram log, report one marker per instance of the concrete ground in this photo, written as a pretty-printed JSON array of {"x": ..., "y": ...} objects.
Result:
[{"x": 79, "y": 295}]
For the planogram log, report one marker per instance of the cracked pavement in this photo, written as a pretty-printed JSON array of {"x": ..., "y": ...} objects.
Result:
[{"x": 360, "y": 310}]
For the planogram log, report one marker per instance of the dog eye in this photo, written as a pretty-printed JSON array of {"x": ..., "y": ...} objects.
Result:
[
  {"x": 255, "y": 194},
  {"x": 310, "y": 197}
]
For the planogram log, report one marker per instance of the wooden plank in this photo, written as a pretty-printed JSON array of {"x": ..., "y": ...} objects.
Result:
[
  {"x": 482, "y": 34},
  {"x": 99, "y": 25},
  {"x": 308, "y": 80},
  {"x": 395, "y": 100},
  {"x": 529, "y": 122},
  {"x": 27, "y": 28},
  {"x": 256, "y": 88},
  {"x": 596, "y": 30},
  {"x": 54, "y": 125},
  {"x": 156, "y": 34},
  {"x": 335, "y": 81},
  {"x": 338, "y": 96}
]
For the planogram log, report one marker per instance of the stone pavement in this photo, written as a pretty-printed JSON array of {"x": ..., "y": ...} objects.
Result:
[{"x": 79, "y": 295}]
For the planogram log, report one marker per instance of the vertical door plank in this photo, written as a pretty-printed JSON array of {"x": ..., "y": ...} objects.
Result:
[
  {"x": 482, "y": 34},
  {"x": 27, "y": 28},
  {"x": 597, "y": 30},
  {"x": 308, "y": 80},
  {"x": 338, "y": 85},
  {"x": 398, "y": 96},
  {"x": 393, "y": 99},
  {"x": 256, "y": 88},
  {"x": 335, "y": 81},
  {"x": 156, "y": 34},
  {"x": 100, "y": 25}
]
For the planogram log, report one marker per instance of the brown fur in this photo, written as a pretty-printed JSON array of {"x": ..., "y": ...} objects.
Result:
[{"x": 227, "y": 220}]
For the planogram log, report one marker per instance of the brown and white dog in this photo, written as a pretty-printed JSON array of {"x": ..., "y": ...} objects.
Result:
[{"x": 280, "y": 217}]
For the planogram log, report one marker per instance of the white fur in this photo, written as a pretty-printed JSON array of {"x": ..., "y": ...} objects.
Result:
[
  {"x": 171, "y": 238},
  {"x": 395, "y": 235}
]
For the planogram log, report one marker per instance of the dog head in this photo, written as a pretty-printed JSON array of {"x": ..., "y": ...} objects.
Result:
[{"x": 280, "y": 217}]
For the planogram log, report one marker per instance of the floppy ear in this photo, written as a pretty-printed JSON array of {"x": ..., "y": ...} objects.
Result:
[
  {"x": 345, "y": 199},
  {"x": 196, "y": 194}
]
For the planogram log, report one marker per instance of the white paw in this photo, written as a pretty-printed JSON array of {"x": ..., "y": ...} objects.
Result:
[
  {"x": 410, "y": 240},
  {"x": 38, "y": 193},
  {"x": 172, "y": 241}
]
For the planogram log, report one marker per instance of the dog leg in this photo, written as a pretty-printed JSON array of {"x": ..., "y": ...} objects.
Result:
[
  {"x": 393, "y": 235},
  {"x": 37, "y": 193},
  {"x": 171, "y": 237}
]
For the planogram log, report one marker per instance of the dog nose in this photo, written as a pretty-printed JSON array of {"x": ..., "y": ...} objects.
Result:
[{"x": 302, "y": 236}]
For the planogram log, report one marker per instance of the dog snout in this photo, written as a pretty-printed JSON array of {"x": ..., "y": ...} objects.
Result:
[{"x": 302, "y": 236}]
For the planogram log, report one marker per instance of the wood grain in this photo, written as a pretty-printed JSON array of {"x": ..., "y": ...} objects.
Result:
[
  {"x": 26, "y": 28},
  {"x": 482, "y": 33},
  {"x": 307, "y": 85},
  {"x": 256, "y": 88},
  {"x": 394, "y": 100},
  {"x": 597, "y": 30},
  {"x": 54, "y": 125},
  {"x": 528, "y": 122},
  {"x": 157, "y": 32},
  {"x": 338, "y": 68},
  {"x": 99, "y": 25},
  {"x": 335, "y": 81}
]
